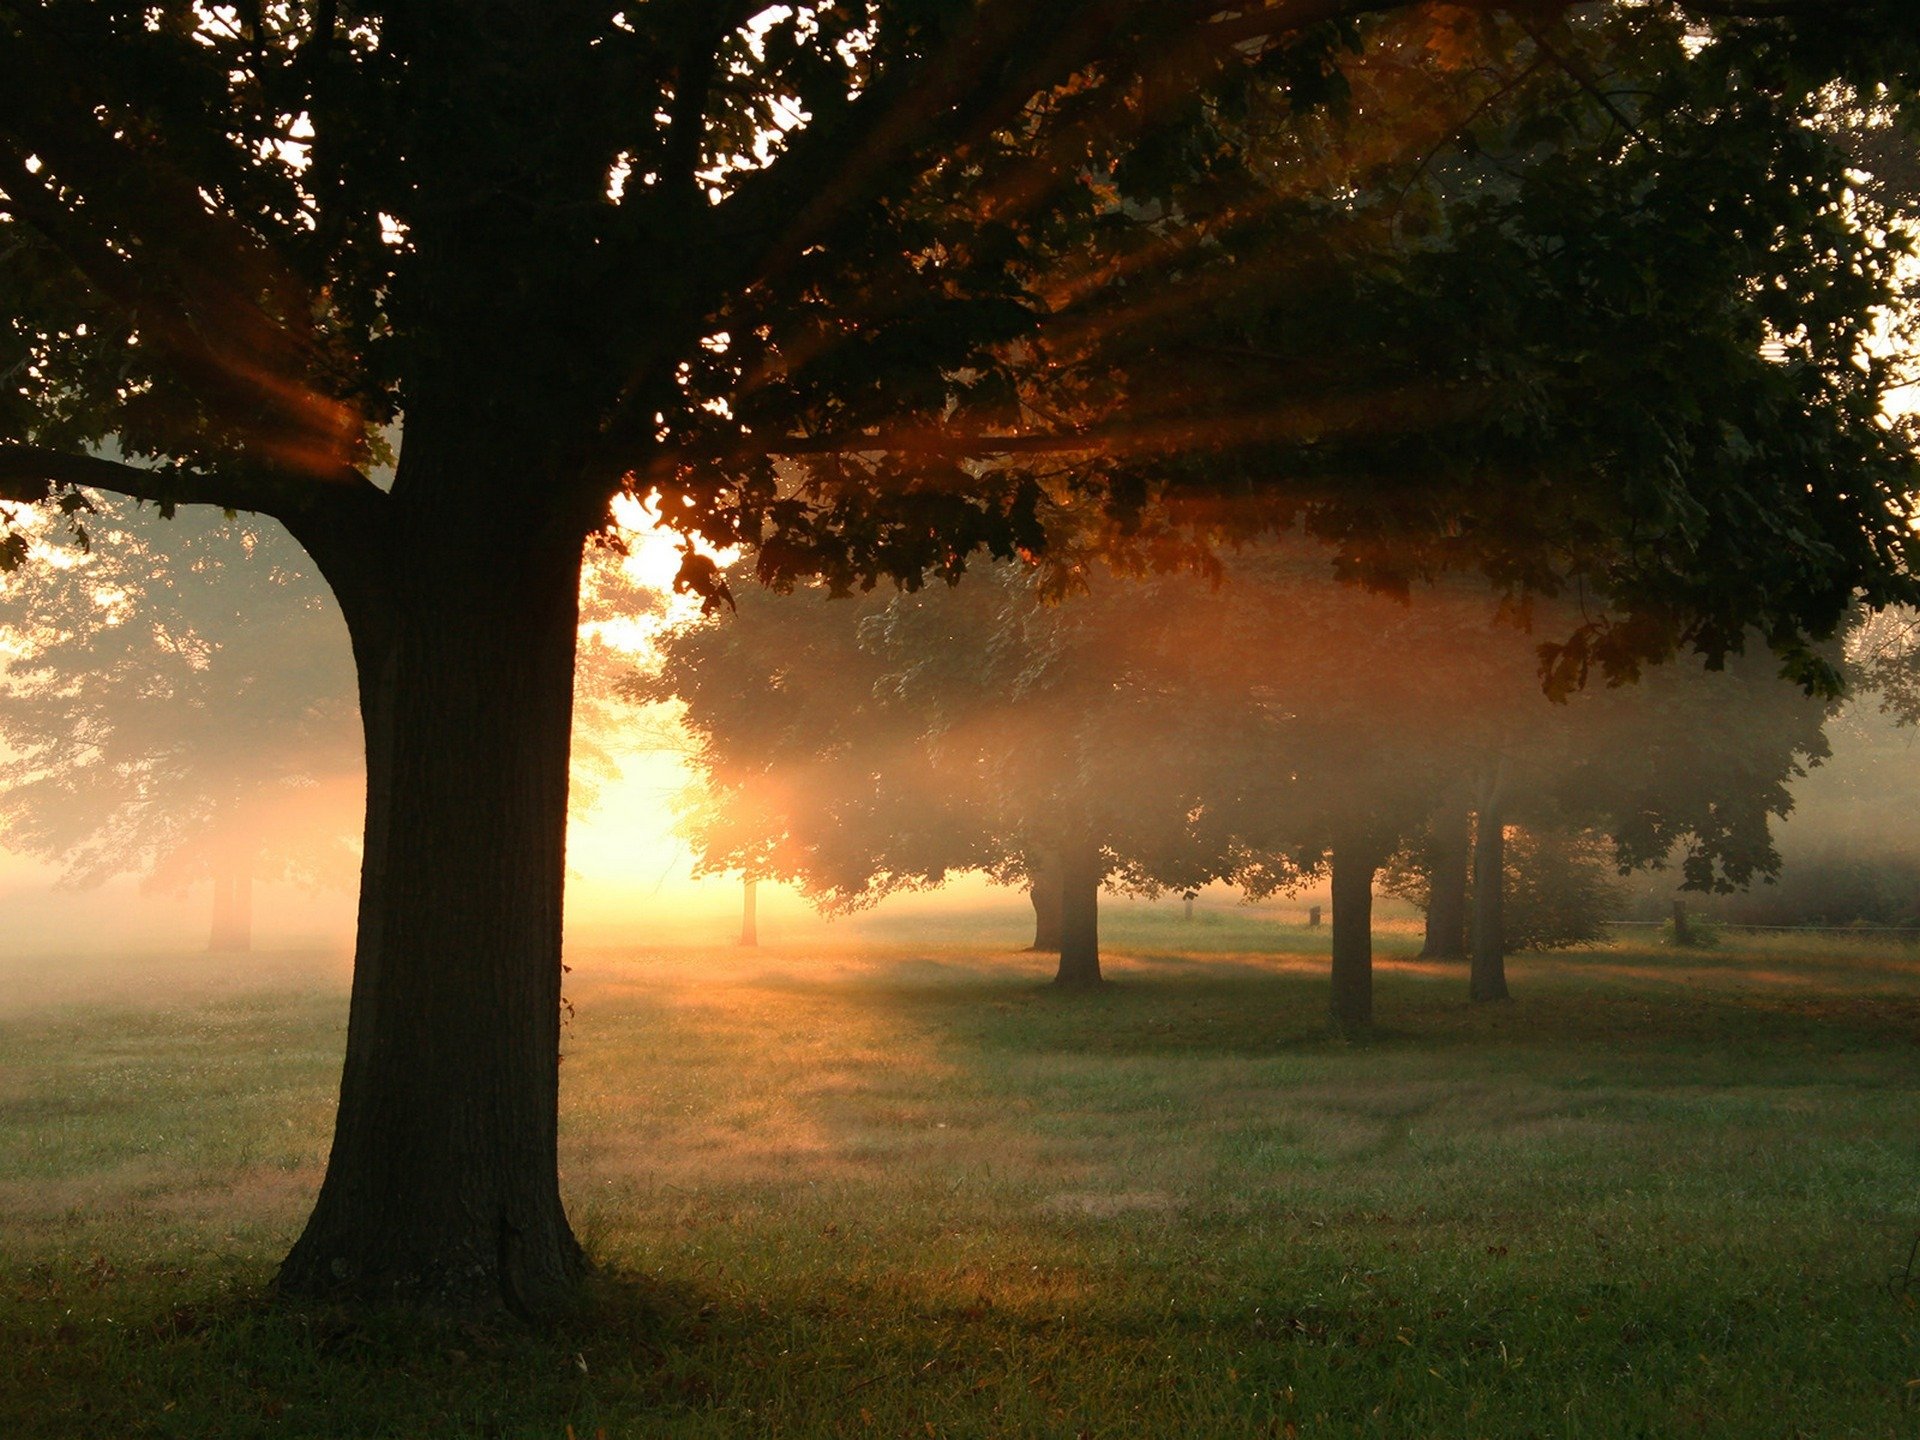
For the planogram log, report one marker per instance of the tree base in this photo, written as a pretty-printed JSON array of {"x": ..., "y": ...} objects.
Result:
[{"x": 515, "y": 1285}]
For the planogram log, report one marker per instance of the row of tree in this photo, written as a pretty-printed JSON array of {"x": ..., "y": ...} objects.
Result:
[{"x": 1265, "y": 727}]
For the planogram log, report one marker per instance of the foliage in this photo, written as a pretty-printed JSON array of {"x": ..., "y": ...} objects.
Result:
[
  {"x": 1561, "y": 886},
  {"x": 1561, "y": 889},
  {"x": 1201, "y": 731},
  {"x": 1702, "y": 934},
  {"x": 863, "y": 747},
  {"x": 1415, "y": 242},
  {"x": 1690, "y": 762},
  {"x": 1884, "y": 655},
  {"x": 181, "y": 705},
  {"x": 1864, "y": 882}
]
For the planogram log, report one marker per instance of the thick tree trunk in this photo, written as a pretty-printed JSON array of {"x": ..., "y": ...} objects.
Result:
[
  {"x": 1043, "y": 889},
  {"x": 232, "y": 929},
  {"x": 442, "y": 1186},
  {"x": 1452, "y": 852},
  {"x": 1354, "y": 866},
  {"x": 1080, "y": 876},
  {"x": 1488, "y": 977},
  {"x": 750, "y": 912}
]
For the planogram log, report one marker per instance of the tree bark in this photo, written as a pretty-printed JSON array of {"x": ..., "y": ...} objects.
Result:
[
  {"x": 1452, "y": 852},
  {"x": 1080, "y": 876},
  {"x": 1488, "y": 977},
  {"x": 1043, "y": 889},
  {"x": 1354, "y": 866},
  {"x": 442, "y": 1186},
  {"x": 750, "y": 911}
]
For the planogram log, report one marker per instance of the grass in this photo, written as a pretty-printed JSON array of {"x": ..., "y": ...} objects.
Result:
[{"x": 898, "y": 1187}]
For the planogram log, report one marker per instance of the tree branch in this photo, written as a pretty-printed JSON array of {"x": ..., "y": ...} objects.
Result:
[
  {"x": 1587, "y": 83},
  {"x": 707, "y": 30},
  {"x": 338, "y": 523},
  {"x": 30, "y": 474}
]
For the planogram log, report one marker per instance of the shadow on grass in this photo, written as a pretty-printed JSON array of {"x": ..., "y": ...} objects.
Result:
[
  {"x": 1249, "y": 1005},
  {"x": 1218, "y": 1346}
]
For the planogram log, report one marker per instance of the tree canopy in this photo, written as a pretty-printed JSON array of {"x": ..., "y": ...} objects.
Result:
[{"x": 1186, "y": 731}]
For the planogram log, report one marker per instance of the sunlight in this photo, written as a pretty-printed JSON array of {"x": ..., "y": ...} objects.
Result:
[{"x": 652, "y": 560}]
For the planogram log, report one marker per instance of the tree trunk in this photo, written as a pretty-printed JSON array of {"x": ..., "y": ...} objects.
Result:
[
  {"x": 1354, "y": 865},
  {"x": 1043, "y": 889},
  {"x": 232, "y": 929},
  {"x": 1452, "y": 852},
  {"x": 1488, "y": 978},
  {"x": 442, "y": 1186},
  {"x": 1080, "y": 876},
  {"x": 750, "y": 912}
]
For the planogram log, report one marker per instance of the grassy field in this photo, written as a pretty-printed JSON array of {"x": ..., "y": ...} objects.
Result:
[{"x": 894, "y": 1186}]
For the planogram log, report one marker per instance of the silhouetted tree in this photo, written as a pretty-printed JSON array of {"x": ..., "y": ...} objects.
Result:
[{"x": 965, "y": 266}]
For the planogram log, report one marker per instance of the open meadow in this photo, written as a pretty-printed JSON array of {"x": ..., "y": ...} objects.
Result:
[{"x": 886, "y": 1182}]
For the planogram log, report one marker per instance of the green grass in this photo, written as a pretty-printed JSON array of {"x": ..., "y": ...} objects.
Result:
[{"x": 898, "y": 1187}]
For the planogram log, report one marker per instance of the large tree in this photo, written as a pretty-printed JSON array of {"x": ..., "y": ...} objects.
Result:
[{"x": 926, "y": 248}]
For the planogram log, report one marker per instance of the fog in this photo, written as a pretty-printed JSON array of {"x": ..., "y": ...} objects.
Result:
[{"x": 238, "y": 716}]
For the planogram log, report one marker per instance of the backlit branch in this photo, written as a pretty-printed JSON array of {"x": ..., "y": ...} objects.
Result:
[{"x": 30, "y": 474}]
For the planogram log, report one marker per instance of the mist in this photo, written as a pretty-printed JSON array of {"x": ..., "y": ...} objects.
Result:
[{"x": 1008, "y": 686}]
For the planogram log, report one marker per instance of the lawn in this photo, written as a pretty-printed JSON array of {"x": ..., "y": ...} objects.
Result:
[{"x": 883, "y": 1182}]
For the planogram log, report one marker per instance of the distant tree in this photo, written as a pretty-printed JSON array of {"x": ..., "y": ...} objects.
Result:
[
  {"x": 858, "y": 748},
  {"x": 1559, "y": 887},
  {"x": 178, "y": 702},
  {"x": 1689, "y": 763},
  {"x": 1375, "y": 714},
  {"x": 180, "y": 710},
  {"x": 1275, "y": 727}
]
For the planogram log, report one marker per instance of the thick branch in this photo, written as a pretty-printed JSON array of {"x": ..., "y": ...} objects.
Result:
[
  {"x": 30, "y": 474},
  {"x": 707, "y": 29},
  {"x": 335, "y": 520}
]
